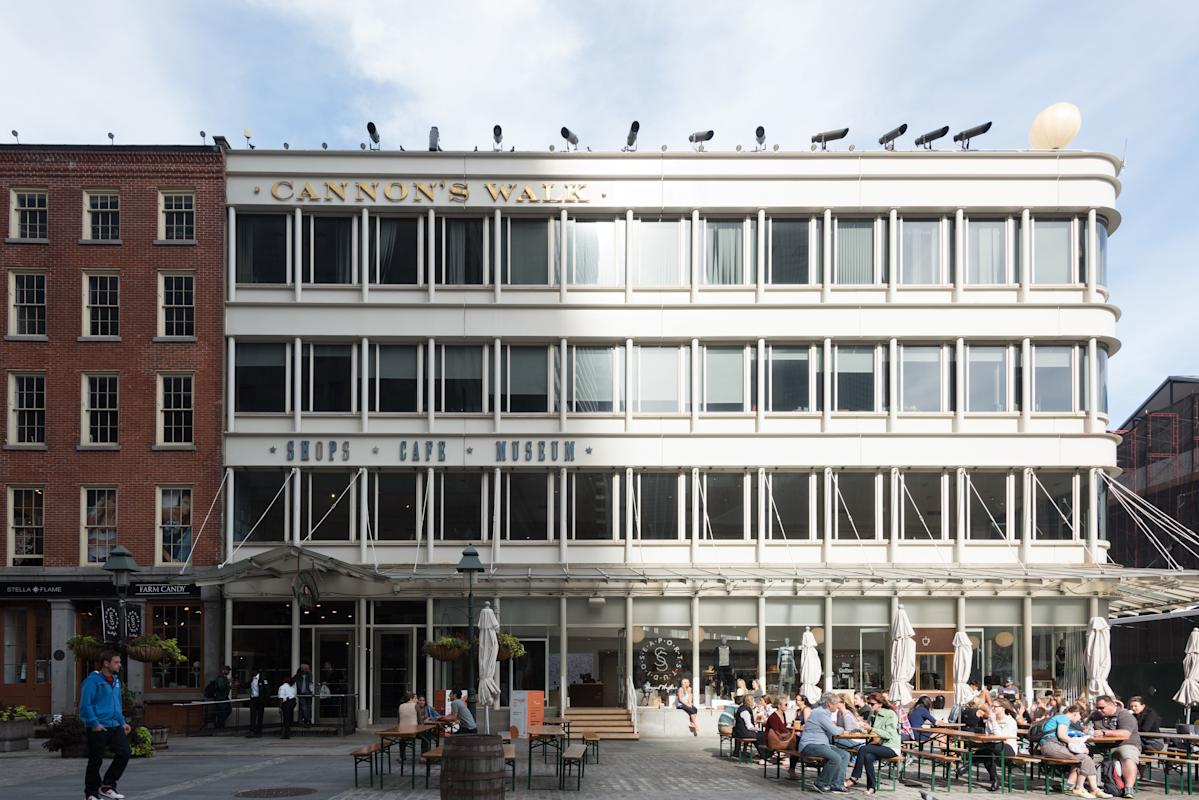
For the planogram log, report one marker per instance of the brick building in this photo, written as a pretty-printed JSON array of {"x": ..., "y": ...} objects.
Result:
[{"x": 111, "y": 358}]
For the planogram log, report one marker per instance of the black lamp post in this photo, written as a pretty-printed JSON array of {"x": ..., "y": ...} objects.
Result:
[
  {"x": 470, "y": 564},
  {"x": 120, "y": 565}
]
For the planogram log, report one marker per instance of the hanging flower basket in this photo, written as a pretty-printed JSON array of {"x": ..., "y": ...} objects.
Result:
[
  {"x": 447, "y": 648},
  {"x": 504, "y": 654},
  {"x": 146, "y": 653},
  {"x": 510, "y": 647},
  {"x": 86, "y": 648}
]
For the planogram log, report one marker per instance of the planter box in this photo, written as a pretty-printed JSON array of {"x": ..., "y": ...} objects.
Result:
[{"x": 14, "y": 735}]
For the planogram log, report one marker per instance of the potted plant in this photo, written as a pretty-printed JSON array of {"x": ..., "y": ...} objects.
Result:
[
  {"x": 141, "y": 744},
  {"x": 67, "y": 737},
  {"x": 510, "y": 647},
  {"x": 447, "y": 648},
  {"x": 86, "y": 648},
  {"x": 16, "y": 726},
  {"x": 152, "y": 649}
]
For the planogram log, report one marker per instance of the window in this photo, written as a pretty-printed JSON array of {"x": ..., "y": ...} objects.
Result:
[
  {"x": 524, "y": 380},
  {"x": 656, "y": 505},
  {"x": 986, "y": 507},
  {"x": 102, "y": 218},
  {"x": 595, "y": 252},
  {"x": 461, "y": 497},
  {"x": 725, "y": 379},
  {"x": 185, "y": 624},
  {"x": 462, "y": 251},
  {"x": 591, "y": 496},
  {"x": 1101, "y": 378},
  {"x": 855, "y": 251},
  {"x": 26, "y": 526},
  {"x": 664, "y": 252},
  {"x": 263, "y": 248},
  {"x": 99, "y": 409},
  {"x": 920, "y": 252},
  {"x": 396, "y": 245},
  {"x": 27, "y": 409},
  {"x": 986, "y": 379},
  {"x": 855, "y": 385},
  {"x": 920, "y": 379},
  {"x": 394, "y": 377},
  {"x": 393, "y": 499},
  {"x": 596, "y": 380},
  {"x": 722, "y": 495},
  {"x": 788, "y": 505},
  {"x": 262, "y": 377},
  {"x": 103, "y": 309},
  {"x": 329, "y": 247},
  {"x": 176, "y": 409},
  {"x": 525, "y": 251},
  {"x": 663, "y": 380},
  {"x": 27, "y": 314},
  {"x": 986, "y": 251},
  {"x": 789, "y": 261},
  {"x": 327, "y": 378},
  {"x": 260, "y": 504},
  {"x": 525, "y": 505},
  {"x": 178, "y": 309},
  {"x": 459, "y": 379},
  {"x": 177, "y": 216},
  {"x": 730, "y": 251},
  {"x": 174, "y": 524},
  {"x": 99, "y": 524},
  {"x": 29, "y": 216},
  {"x": 328, "y": 505},
  {"x": 1053, "y": 506},
  {"x": 853, "y": 505},
  {"x": 1051, "y": 251},
  {"x": 789, "y": 378},
  {"x": 1101, "y": 255},
  {"x": 920, "y": 506},
  {"x": 1052, "y": 384}
]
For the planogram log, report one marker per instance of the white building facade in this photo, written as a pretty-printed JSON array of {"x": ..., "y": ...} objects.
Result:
[{"x": 691, "y": 404}]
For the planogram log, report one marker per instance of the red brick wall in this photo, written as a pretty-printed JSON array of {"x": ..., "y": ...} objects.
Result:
[{"x": 136, "y": 469}]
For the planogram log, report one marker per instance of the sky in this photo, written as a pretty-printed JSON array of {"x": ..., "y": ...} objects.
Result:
[{"x": 309, "y": 71}]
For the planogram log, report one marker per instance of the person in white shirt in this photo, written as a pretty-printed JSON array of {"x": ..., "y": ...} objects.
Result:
[
  {"x": 287, "y": 705},
  {"x": 257, "y": 705},
  {"x": 408, "y": 711},
  {"x": 1000, "y": 720}
]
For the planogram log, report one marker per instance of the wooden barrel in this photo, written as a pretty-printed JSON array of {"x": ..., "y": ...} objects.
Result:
[{"x": 473, "y": 766}]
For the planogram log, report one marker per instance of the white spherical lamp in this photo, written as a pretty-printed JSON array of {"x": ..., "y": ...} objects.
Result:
[{"x": 1055, "y": 127}]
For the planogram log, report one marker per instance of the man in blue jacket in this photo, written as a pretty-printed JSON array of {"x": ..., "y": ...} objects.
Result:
[{"x": 102, "y": 717}]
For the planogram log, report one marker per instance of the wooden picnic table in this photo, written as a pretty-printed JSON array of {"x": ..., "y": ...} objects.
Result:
[
  {"x": 559, "y": 721},
  {"x": 402, "y": 734},
  {"x": 545, "y": 737},
  {"x": 971, "y": 738},
  {"x": 868, "y": 736}
]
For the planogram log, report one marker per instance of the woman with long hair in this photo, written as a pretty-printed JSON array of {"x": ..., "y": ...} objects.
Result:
[
  {"x": 886, "y": 728},
  {"x": 685, "y": 701}
]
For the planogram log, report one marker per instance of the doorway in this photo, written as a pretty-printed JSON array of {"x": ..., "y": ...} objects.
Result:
[
  {"x": 334, "y": 655},
  {"x": 25, "y": 658},
  {"x": 394, "y": 657}
]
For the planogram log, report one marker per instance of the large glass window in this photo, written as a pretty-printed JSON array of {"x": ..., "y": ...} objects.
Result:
[
  {"x": 986, "y": 251},
  {"x": 986, "y": 509},
  {"x": 1052, "y": 383},
  {"x": 656, "y": 505},
  {"x": 524, "y": 380},
  {"x": 28, "y": 414},
  {"x": 663, "y": 380},
  {"x": 525, "y": 247},
  {"x": 723, "y": 251},
  {"x": 394, "y": 250},
  {"x": 27, "y": 525},
  {"x": 723, "y": 505},
  {"x": 262, "y": 248},
  {"x": 185, "y": 624},
  {"x": 591, "y": 495},
  {"x": 525, "y": 505},
  {"x": 790, "y": 378},
  {"x": 920, "y": 506},
  {"x": 727, "y": 654},
  {"x": 724, "y": 379},
  {"x": 664, "y": 252},
  {"x": 327, "y": 505},
  {"x": 855, "y": 252},
  {"x": 393, "y": 377},
  {"x": 260, "y": 505},
  {"x": 595, "y": 251},
  {"x": 393, "y": 501},
  {"x": 326, "y": 377},
  {"x": 461, "y": 497},
  {"x": 1101, "y": 378},
  {"x": 28, "y": 309},
  {"x": 261, "y": 377},
  {"x": 854, "y": 505},
  {"x": 103, "y": 305},
  {"x": 328, "y": 245},
  {"x": 596, "y": 379},
  {"x": 101, "y": 409},
  {"x": 787, "y": 505},
  {"x": 920, "y": 378},
  {"x": 986, "y": 379},
  {"x": 462, "y": 251},
  {"x": 861, "y": 658},
  {"x": 1051, "y": 251},
  {"x": 855, "y": 390},
  {"x": 789, "y": 250},
  {"x": 100, "y": 523},
  {"x": 1101, "y": 255},
  {"x": 1053, "y": 509},
  {"x": 920, "y": 251},
  {"x": 459, "y": 378}
]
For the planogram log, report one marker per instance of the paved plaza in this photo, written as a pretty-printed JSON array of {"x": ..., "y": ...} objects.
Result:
[{"x": 321, "y": 769}]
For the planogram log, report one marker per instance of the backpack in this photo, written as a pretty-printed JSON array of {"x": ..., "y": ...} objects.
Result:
[
  {"x": 211, "y": 691},
  {"x": 1110, "y": 779},
  {"x": 1036, "y": 732}
]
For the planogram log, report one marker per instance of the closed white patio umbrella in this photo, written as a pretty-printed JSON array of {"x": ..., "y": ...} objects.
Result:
[
  {"x": 1188, "y": 693},
  {"x": 489, "y": 667},
  {"x": 1099, "y": 657},
  {"x": 809, "y": 667},
  {"x": 963, "y": 661},
  {"x": 903, "y": 658}
]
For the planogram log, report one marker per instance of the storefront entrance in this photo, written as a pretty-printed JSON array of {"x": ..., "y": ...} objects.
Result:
[
  {"x": 333, "y": 655},
  {"x": 25, "y": 661},
  {"x": 394, "y": 657}
]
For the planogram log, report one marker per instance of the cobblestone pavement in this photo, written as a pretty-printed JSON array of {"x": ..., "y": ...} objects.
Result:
[{"x": 219, "y": 768}]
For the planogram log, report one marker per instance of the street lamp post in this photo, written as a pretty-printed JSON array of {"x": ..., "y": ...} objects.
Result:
[
  {"x": 120, "y": 565},
  {"x": 470, "y": 564}
]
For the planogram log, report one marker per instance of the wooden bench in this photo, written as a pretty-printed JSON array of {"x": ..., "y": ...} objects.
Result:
[
  {"x": 1051, "y": 767},
  {"x": 367, "y": 755},
  {"x": 744, "y": 747},
  {"x": 1027, "y": 763},
  {"x": 1185, "y": 767},
  {"x": 574, "y": 757},
  {"x": 947, "y": 762},
  {"x": 591, "y": 742}
]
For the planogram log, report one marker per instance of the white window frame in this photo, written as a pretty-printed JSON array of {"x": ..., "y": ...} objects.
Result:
[
  {"x": 946, "y": 488},
  {"x": 876, "y": 263},
  {"x": 1009, "y": 370},
  {"x": 14, "y": 212},
  {"x": 162, "y": 309},
  {"x": 372, "y": 383},
  {"x": 617, "y": 510},
  {"x": 86, "y": 324},
  {"x": 484, "y": 505},
  {"x": 11, "y": 554},
  {"x": 880, "y": 394},
  {"x": 505, "y": 372},
  {"x": 620, "y": 235},
  {"x": 815, "y": 265},
  {"x": 880, "y": 493},
  {"x": 749, "y": 507},
  {"x": 618, "y": 376},
  {"x": 682, "y": 380},
  {"x": 1010, "y": 532},
  {"x": 85, "y": 411},
  {"x": 1077, "y": 403},
  {"x": 945, "y": 389},
  {"x": 83, "y": 490},
  {"x": 945, "y": 246},
  {"x": 682, "y": 524},
  {"x": 438, "y": 393},
  {"x": 748, "y": 381},
  {"x": 13, "y": 410},
  {"x": 162, "y": 213},
  {"x": 683, "y": 252},
  {"x": 551, "y": 479},
  {"x": 88, "y": 194},
  {"x": 160, "y": 411},
  {"x": 1011, "y": 240},
  {"x": 1072, "y": 253},
  {"x": 12, "y": 302},
  {"x": 815, "y": 510},
  {"x": 159, "y": 540},
  {"x": 306, "y": 277},
  {"x": 505, "y": 259},
  {"x": 351, "y": 497},
  {"x": 749, "y": 264},
  {"x": 1039, "y": 493},
  {"x": 768, "y": 401},
  {"x": 488, "y": 276},
  {"x": 308, "y": 353},
  {"x": 374, "y": 226}
]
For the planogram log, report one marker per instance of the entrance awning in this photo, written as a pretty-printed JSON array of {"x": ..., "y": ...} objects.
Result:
[{"x": 283, "y": 561}]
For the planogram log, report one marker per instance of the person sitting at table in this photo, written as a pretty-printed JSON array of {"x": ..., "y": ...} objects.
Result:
[
  {"x": 459, "y": 712},
  {"x": 861, "y": 706},
  {"x": 999, "y": 720},
  {"x": 1119, "y": 723},
  {"x": 818, "y": 738},
  {"x": 1063, "y": 739},
  {"x": 685, "y": 703},
  {"x": 408, "y": 711},
  {"x": 424, "y": 711},
  {"x": 744, "y": 726},
  {"x": 920, "y": 717},
  {"x": 779, "y": 735},
  {"x": 802, "y": 709},
  {"x": 762, "y": 709},
  {"x": 974, "y": 716},
  {"x": 885, "y": 726},
  {"x": 847, "y": 717},
  {"x": 1148, "y": 723},
  {"x": 756, "y": 689}
]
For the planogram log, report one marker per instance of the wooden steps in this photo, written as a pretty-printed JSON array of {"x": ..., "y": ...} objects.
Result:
[{"x": 607, "y": 723}]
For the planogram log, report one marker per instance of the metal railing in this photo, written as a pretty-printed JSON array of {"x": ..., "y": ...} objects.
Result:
[{"x": 631, "y": 701}]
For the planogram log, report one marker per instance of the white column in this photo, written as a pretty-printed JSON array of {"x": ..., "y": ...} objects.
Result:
[
  {"x": 230, "y": 382},
  {"x": 695, "y": 643},
  {"x": 363, "y": 515},
  {"x": 429, "y": 659},
  {"x": 959, "y": 384},
  {"x": 1092, "y": 501},
  {"x": 1092, "y": 355},
  {"x": 228, "y": 515},
  {"x": 696, "y": 255},
  {"x": 562, "y": 385},
  {"x": 893, "y": 384},
  {"x": 498, "y": 355},
  {"x": 298, "y": 392},
  {"x": 364, "y": 651},
  {"x": 959, "y": 524},
  {"x": 628, "y": 644},
  {"x": 297, "y": 657},
  {"x": 231, "y": 254},
  {"x": 892, "y": 254},
  {"x": 366, "y": 384},
  {"x": 430, "y": 513},
  {"x": 896, "y": 503},
  {"x": 366, "y": 265},
  {"x": 1026, "y": 644},
  {"x": 1029, "y": 497},
  {"x": 826, "y": 539},
  {"x": 500, "y": 258},
  {"x": 696, "y": 385},
  {"x": 628, "y": 256},
  {"x": 297, "y": 271},
  {"x": 563, "y": 261},
  {"x": 229, "y": 630},
  {"x": 961, "y": 612},
  {"x": 1026, "y": 370},
  {"x": 826, "y": 251},
  {"x": 826, "y": 650},
  {"x": 1092, "y": 607},
  {"x": 1092, "y": 259},
  {"x": 430, "y": 377},
  {"x": 562, "y": 509},
  {"x": 629, "y": 519},
  {"x": 497, "y": 522},
  {"x": 294, "y": 488},
  {"x": 763, "y": 515},
  {"x": 563, "y": 654},
  {"x": 959, "y": 254},
  {"x": 697, "y": 515},
  {"x": 762, "y": 641},
  {"x": 826, "y": 375},
  {"x": 629, "y": 394},
  {"x": 431, "y": 256},
  {"x": 761, "y": 379},
  {"x": 1025, "y": 253},
  {"x": 761, "y": 280}
]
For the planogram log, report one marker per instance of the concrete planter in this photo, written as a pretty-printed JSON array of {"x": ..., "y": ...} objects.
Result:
[{"x": 15, "y": 734}]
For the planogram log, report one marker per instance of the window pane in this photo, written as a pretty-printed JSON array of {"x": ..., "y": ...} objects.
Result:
[
  {"x": 921, "y": 254},
  {"x": 657, "y": 505},
  {"x": 463, "y": 252},
  {"x": 921, "y": 504},
  {"x": 461, "y": 373},
  {"x": 329, "y": 373},
  {"x": 658, "y": 381},
  {"x": 262, "y": 248},
  {"x": 855, "y": 379},
  {"x": 261, "y": 370},
  {"x": 327, "y": 260},
  {"x": 854, "y": 505},
  {"x": 789, "y": 251},
  {"x": 1053, "y": 509},
  {"x": 724, "y": 379},
  {"x": 660, "y": 262},
  {"x": 1102, "y": 380},
  {"x": 787, "y": 505},
  {"x": 592, "y": 378},
  {"x": 597, "y": 255},
  {"x": 394, "y": 517},
  {"x": 101, "y": 522},
  {"x": 525, "y": 388},
  {"x": 986, "y": 249},
  {"x": 722, "y": 262},
  {"x": 855, "y": 251},
  {"x": 252, "y": 494},
  {"x": 28, "y": 521},
  {"x": 462, "y": 505},
  {"x": 395, "y": 373},
  {"x": 921, "y": 385},
  {"x": 724, "y": 506},
  {"x": 987, "y": 378},
  {"x": 1051, "y": 251},
  {"x": 1101, "y": 263},
  {"x": 524, "y": 513},
  {"x": 789, "y": 380},
  {"x": 1051, "y": 379},
  {"x": 320, "y": 491},
  {"x": 176, "y": 523},
  {"x": 530, "y": 252},
  {"x": 184, "y": 624},
  {"x": 988, "y": 506},
  {"x": 29, "y": 303},
  {"x": 394, "y": 246},
  {"x": 591, "y": 505}
]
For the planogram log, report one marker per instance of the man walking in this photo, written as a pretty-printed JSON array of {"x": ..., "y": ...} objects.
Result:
[
  {"x": 102, "y": 717},
  {"x": 819, "y": 739},
  {"x": 257, "y": 705}
]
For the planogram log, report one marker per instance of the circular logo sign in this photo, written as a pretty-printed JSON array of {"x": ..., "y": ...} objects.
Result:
[{"x": 660, "y": 661}]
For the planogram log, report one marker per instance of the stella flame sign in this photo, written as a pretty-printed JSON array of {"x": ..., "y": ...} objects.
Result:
[{"x": 660, "y": 661}]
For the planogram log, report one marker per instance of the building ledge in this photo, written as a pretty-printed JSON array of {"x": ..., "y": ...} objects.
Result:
[
  {"x": 41, "y": 337},
  {"x": 17, "y": 240},
  {"x": 100, "y": 241}
]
